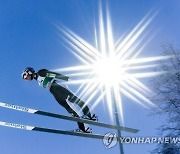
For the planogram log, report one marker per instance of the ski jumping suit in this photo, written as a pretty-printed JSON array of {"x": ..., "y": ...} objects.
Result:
[{"x": 47, "y": 80}]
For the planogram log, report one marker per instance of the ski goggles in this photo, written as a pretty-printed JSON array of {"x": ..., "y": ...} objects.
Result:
[{"x": 25, "y": 75}]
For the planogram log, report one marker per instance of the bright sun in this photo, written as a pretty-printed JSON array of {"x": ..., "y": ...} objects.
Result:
[
  {"x": 109, "y": 71},
  {"x": 110, "y": 66}
]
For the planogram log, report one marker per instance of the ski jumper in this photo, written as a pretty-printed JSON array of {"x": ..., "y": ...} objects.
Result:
[{"x": 47, "y": 79}]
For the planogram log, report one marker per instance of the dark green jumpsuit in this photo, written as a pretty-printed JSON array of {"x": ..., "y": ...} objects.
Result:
[{"x": 47, "y": 79}]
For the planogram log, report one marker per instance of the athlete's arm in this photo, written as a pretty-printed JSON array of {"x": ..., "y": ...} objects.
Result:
[{"x": 51, "y": 74}]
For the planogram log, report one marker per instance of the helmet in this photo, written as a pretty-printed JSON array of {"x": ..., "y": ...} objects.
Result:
[{"x": 28, "y": 71}]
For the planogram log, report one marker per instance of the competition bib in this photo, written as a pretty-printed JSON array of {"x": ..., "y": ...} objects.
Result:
[{"x": 45, "y": 81}]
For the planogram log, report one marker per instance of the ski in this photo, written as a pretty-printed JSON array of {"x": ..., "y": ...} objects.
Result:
[
  {"x": 50, "y": 130},
  {"x": 49, "y": 114}
]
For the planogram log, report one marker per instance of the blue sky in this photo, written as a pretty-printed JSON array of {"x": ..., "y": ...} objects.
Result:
[{"x": 28, "y": 37}]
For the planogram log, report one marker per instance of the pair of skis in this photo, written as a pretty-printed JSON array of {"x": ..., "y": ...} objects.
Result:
[{"x": 49, "y": 130}]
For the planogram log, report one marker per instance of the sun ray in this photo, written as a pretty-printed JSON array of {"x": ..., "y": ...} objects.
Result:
[
  {"x": 110, "y": 36},
  {"x": 109, "y": 102},
  {"x": 74, "y": 68},
  {"x": 89, "y": 92},
  {"x": 137, "y": 84},
  {"x": 78, "y": 56},
  {"x": 133, "y": 35},
  {"x": 78, "y": 47},
  {"x": 81, "y": 43},
  {"x": 102, "y": 33},
  {"x": 139, "y": 67},
  {"x": 79, "y": 74},
  {"x": 98, "y": 100},
  {"x": 146, "y": 60},
  {"x": 126, "y": 93},
  {"x": 136, "y": 93},
  {"x": 119, "y": 104},
  {"x": 147, "y": 74},
  {"x": 93, "y": 94}
]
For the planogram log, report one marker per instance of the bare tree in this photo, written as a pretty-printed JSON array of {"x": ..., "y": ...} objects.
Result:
[
  {"x": 167, "y": 149},
  {"x": 166, "y": 96}
]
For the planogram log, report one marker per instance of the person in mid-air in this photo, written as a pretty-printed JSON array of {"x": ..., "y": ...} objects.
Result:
[{"x": 48, "y": 80}]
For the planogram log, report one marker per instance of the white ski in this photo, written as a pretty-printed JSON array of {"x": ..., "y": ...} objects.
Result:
[{"x": 44, "y": 113}]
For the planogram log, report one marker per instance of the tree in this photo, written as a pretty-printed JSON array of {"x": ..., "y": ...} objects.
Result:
[
  {"x": 167, "y": 149},
  {"x": 166, "y": 88}
]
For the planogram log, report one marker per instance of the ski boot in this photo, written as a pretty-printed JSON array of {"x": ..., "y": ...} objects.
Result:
[
  {"x": 93, "y": 117},
  {"x": 75, "y": 115},
  {"x": 87, "y": 130}
]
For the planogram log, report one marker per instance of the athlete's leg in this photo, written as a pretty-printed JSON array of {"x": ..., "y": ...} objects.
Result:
[
  {"x": 60, "y": 94},
  {"x": 74, "y": 99},
  {"x": 72, "y": 112}
]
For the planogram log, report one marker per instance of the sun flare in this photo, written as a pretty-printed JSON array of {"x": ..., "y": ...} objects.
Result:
[{"x": 110, "y": 66}]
